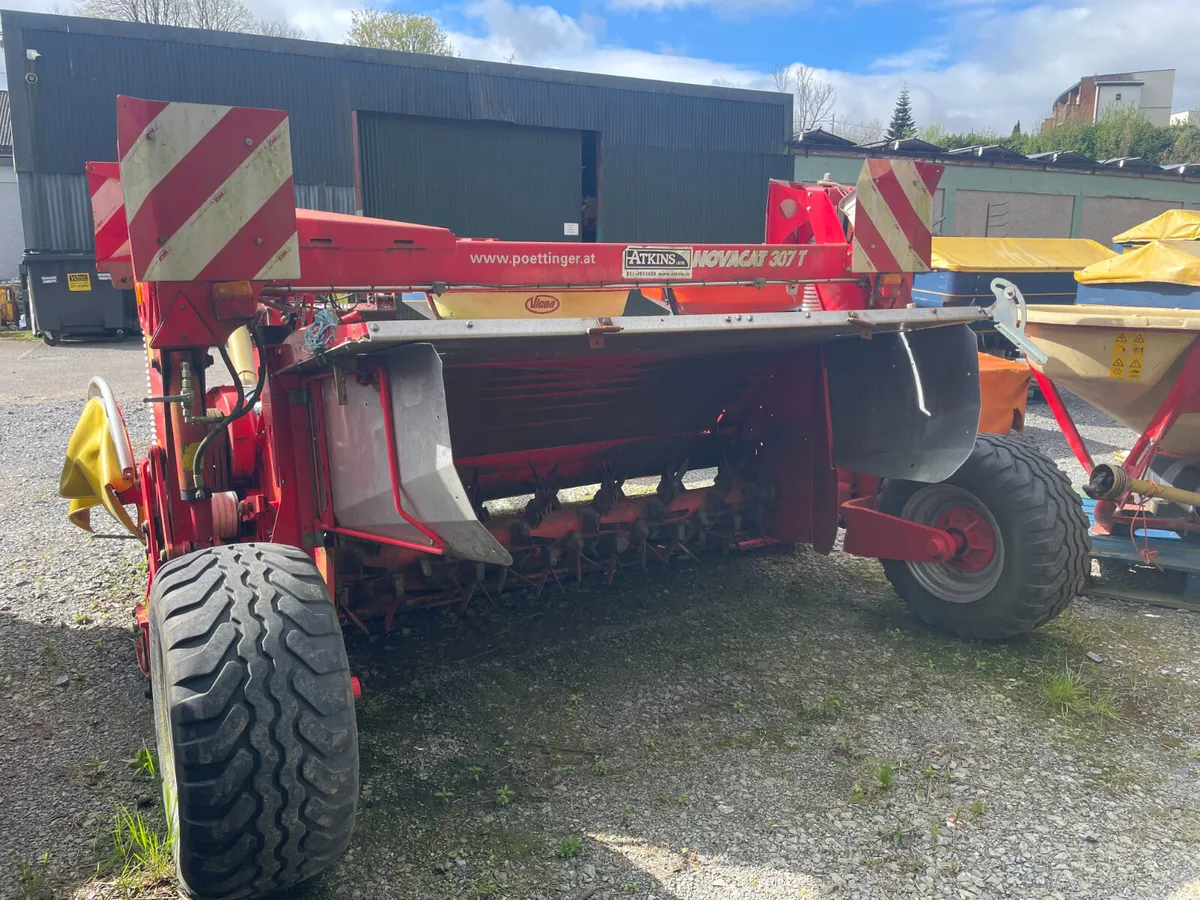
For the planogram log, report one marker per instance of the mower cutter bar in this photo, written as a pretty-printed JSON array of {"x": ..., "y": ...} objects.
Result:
[{"x": 500, "y": 340}]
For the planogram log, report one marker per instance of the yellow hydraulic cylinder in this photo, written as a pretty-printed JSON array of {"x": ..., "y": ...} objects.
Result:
[{"x": 241, "y": 351}]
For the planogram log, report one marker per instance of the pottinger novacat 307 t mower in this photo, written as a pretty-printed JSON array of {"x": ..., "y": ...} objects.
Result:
[{"x": 348, "y": 469}]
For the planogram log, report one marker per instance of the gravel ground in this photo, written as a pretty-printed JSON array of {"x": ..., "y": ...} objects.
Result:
[{"x": 773, "y": 726}]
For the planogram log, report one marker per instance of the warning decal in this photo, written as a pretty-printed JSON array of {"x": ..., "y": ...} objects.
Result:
[
  {"x": 1128, "y": 356},
  {"x": 79, "y": 281}
]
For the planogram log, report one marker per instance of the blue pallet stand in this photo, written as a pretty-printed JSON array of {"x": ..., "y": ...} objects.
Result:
[{"x": 1173, "y": 552}]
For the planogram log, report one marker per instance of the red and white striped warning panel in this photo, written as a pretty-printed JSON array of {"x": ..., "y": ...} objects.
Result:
[
  {"x": 893, "y": 216},
  {"x": 208, "y": 191},
  {"x": 108, "y": 216},
  {"x": 108, "y": 210}
]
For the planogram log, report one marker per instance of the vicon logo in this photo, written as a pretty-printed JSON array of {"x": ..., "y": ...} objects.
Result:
[{"x": 542, "y": 304}]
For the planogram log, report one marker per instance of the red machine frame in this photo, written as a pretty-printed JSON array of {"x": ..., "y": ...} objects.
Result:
[{"x": 290, "y": 500}]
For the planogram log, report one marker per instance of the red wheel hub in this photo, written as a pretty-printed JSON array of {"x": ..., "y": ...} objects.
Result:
[{"x": 973, "y": 536}]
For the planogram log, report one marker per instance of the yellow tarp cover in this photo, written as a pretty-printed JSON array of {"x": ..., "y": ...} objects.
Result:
[
  {"x": 1175, "y": 262},
  {"x": 1173, "y": 225},
  {"x": 973, "y": 254},
  {"x": 91, "y": 475}
]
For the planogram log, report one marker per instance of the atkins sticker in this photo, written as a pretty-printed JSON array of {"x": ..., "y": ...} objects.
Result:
[{"x": 657, "y": 262}]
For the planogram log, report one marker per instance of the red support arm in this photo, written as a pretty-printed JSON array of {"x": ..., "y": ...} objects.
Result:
[
  {"x": 1063, "y": 417},
  {"x": 878, "y": 535},
  {"x": 1183, "y": 398}
]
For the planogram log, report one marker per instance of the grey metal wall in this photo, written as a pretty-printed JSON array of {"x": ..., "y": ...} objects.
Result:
[
  {"x": 1012, "y": 214},
  {"x": 1104, "y": 217},
  {"x": 479, "y": 179},
  {"x": 11, "y": 245},
  {"x": 677, "y": 194},
  {"x": 56, "y": 210},
  {"x": 68, "y": 117}
]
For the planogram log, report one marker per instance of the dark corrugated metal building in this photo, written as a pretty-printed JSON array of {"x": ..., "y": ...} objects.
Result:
[{"x": 486, "y": 149}]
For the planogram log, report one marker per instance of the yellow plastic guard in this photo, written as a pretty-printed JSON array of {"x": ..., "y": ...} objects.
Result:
[
  {"x": 974, "y": 254},
  {"x": 91, "y": 474},
  {"x": 529, "y": 304},
  {"x": 1174, "y": 262},
  {"x": 1173, "y": 225}
]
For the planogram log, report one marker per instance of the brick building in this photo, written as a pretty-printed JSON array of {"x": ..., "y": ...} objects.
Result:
[{"x": 1087, "y": 100}]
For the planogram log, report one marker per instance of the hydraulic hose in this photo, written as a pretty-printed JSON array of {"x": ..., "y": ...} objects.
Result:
[{"x": 244, "y": 405}]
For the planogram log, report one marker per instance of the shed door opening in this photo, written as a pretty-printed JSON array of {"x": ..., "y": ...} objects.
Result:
[
  {"x": 479, "y": 179},
  {"x": 589, "y": 222}
]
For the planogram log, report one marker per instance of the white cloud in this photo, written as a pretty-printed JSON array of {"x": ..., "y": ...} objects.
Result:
[
  {"x": 724, "y": 8},
  {"x": 528, "y": 32},
  {"x": 918, "y": 58},
  {"x": 543, "y": 36},
  {"x": 1013, "y": 65},
  {"x": 1010, "y": 64},
  {"x": 321, "y": 23},
  {"x": 992, "y": 65}
]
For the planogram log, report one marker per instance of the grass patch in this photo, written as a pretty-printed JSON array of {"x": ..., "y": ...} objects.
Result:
[
  {"x": 141, "y": 865},
  {"x": 783, "y": 737},
  {"x": 1062, "y": 690},
  {"x": 626, "y": 815},
  {"x": 569, "y": 847},
  {"x": 144, "y": 764},
  {"x": 31, "y": 878},
  {"x": 143, "y": 857},
  {"x": 1069, "y": 691}
]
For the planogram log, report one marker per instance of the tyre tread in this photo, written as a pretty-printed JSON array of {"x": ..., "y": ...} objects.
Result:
[
  {"x": 1054, "y": 541},
  {"x": 257, "y": 681}
]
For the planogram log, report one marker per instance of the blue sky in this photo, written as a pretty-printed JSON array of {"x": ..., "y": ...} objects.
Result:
[
  {"x": 982, "y": 64},
  {"x": 971, "y": 64},
  {"x": 842, "y": 35}
]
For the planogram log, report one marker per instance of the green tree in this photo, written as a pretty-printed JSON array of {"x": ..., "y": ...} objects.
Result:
[
  {"x": 1186, "y": 146},
  {"x": 903, "y": 125},
  {"x": 407, "y": 31},
  {"x": 987, "y": 138},
  {"x": 1125, "y": 131},
  {"x": 934, "y": 133},
  {"x": 1016, "y": 132},
  {"x": 1121, "y": 131}
]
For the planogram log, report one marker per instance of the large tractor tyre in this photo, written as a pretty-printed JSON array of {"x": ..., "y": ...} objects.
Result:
[
  {"x": 1022, "y": 536},
  {"x": 255, "y": 719}
]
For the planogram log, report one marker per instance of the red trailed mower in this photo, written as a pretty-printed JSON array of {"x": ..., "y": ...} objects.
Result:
[{"x": 359, "y": 463}]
